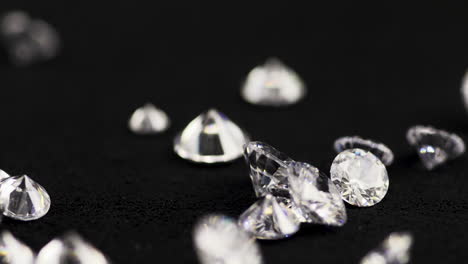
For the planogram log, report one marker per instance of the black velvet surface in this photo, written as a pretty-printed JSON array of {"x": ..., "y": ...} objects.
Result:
[{"x": 371, "y": 69}]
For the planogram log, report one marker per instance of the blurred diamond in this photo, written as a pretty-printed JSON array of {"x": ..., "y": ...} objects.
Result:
[
  {"x": 210, "y": 138},
  {"x": 12, "y": 251},
  {"x": 273, "y": 84},
  {"x": 218, "y": 239},
  {"x": 148, "y": 120},
  {"x": 435, "y": 146},
  {"x": 394, "y": 250},
  {"x": 23, "y": 199},
  {"x": 378, "y": 149}
]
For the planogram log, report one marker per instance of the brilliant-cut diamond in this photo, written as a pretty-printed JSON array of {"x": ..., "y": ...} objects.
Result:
[
  {"x": 71, "y": 249},
  {"x": 13, "y": 251},
  {"x": 273, "y": 84},
  {"x": 268, "y": 219},
  {"x": 23, "y": 199},
  {"x": 360, "y": 177},
  {"x": 435, "y": 146},
  {"x": 378, "y": 149},
  {"x": 210, "y": 138},
  {"x": 315, "y": 195},
  {"x": 148, "y": 120},
  {"x": 394, "y": 250},
  {"x": 218, "y": 239}
]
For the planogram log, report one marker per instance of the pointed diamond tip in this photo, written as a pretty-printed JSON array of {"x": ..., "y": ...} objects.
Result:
[{"x": 148, "y": 120}]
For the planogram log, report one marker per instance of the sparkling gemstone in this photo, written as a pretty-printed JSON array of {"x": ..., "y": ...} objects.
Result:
[
  {"x": 273, "y": 84},
  {"x": 218, "y": 239},
  {"x": 268, "y": 219},
  {"x": 148, "y": 120},
  {"x": 315, "y": 195},
  {"x": 435, "y": 146},
  {"x": 71, "y": 249},
  {"x": 12, "y": 251},
  {"x": 3, "y": 175},
  {"x": 394, "y": 250},
  {"x": 268, "y": 169},
  {"x": 211, "y": 138},
  {"x": 360, "y": 177},
  {"x": 378, "y": 149},
  {"x": 23, "y": 199}
]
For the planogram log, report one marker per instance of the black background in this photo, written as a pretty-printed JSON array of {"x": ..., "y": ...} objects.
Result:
[{"x": 372, "y": 70}]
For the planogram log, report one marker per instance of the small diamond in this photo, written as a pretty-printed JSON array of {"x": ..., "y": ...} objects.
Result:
[
  {"x": 218, "y": 239},
  {"x": 394, "y": 250},
  {"x": 3, "y": 175},
  {"x": 273, "y": 84},
  {"x": 360, "y": 177},
  {"x": 148, "y": 120},
  {"x": 210, "y": 138},
  {"x": 23, "y": 199},
  {"x": 435, "y": 146},
  {"x": 71, "y": 249},
  {"x": 268, "y": 219},
  {"x": 315, "y": 195},
  {"x": 13, "y": 251},
  {"x": 378, "y": 149}
]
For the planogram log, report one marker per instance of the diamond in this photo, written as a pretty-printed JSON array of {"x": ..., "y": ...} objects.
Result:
[
  {"x": 435, "y": 146},
  {"x": 315, "y": 195},
  {"x": 218, "y": 239},
  {"x": 394, "y": 250},
  {"x": 13, "y": 251},
  {"x": 210, "y": 138},
  {"x": 268, "y": 219},
  {"x": 3, "y": 175},
  {"x": 378, "y": 149},
  {"x": 71, "y": 249},
  {"x": 360, "y": 177},
  {"x": 148, "y": 120},
  {"x": 273, "y": 84},
  {"x": 23, "y": 199}
]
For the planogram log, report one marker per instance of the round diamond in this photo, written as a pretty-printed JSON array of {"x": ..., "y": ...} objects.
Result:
[
  {"x": 380, "y": 150},
  {"x": 148, "y": 120},
  {"x": 360, "y": 177}
]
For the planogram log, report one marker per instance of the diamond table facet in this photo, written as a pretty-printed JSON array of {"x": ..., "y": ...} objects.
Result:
[
  {"x": 378, "y": 149},
  {"x": 12, "y": 251},
  {"x": 148, "y": 120},
  {"x": 394, "y": 250}
]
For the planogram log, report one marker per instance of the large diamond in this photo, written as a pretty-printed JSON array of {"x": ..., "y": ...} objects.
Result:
[
  {"x": 71, "y": 249},
  {"x": 273, "y": 84},
  {"x": 360, "y": 177},
  {"x": 394, "y": 250},
  {"x": 268, "y": 219},
  {"x": 148, "y": 120},
  {"x": 23, "y": 199},
  {"x": 378, "y": 149},
  {"x": 210, "y": 138},
  {"x": 315, "y": 195},
  {"x": 218, "y": 239},
  {"x": 13, "y": 251},
  {"x": 435, "y": 146}
]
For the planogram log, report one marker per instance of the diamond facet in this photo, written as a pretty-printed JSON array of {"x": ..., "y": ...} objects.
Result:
[
  {"x": 435, "y": 146},
  {"x": 148, "y": 120},
  {"x": 378, "y": 149},
  {"x": 268, "y": 219},
  {"x": 273, "y": 84},
  {"x": 71, "y": 249},
  {"x": 394, "y": 250},
  {"x": 3, "y": 175},
  {"x": 218, "y": 239},
  {"x": 315, "y": 195},
  {"x": 360, "y": 177},
  {"x": 23, "y": 199},
  {"x": 13, "y": 251},
  {"x": 211, "y": 138}
]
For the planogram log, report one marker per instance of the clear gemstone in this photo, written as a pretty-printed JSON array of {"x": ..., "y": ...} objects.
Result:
[
  {"x": 273, "y": 84},
  {"x": 12, "y": 251},
  {"x": 315, "y": 195},
  {"x": 148, "y": 120},
  {"x": 218, "y": 239},
  {"x": 211, "y": 138},
  {"x": 394, "y": 250},
  {"x": 268, "y": 169},
  {"x": 378, "y": 149},
  {"x": 435, "y": 146},
  {"x": 71, "y": 249},
  {"x": 23, "y": 199},
  {"x": 268, "y": 219},
  {"x": 3, "y": 175},
  {"x": 360, "y": 177}
]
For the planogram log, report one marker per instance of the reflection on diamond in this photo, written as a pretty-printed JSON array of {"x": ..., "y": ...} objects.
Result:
[
  {"x": 378, "y": 149},
  {"x": 148, "y": 120},
  {"x": 394, "y": 250},
  {"x": 3, "y": 175},
  {"x": 13, "y": 251}
]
